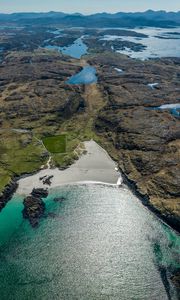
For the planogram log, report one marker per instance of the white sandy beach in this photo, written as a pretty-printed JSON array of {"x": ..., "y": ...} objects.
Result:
[{"x": 94, "y": 166}]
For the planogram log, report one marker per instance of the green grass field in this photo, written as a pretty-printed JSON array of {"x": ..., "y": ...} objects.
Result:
[
  {"x": 55, "y": 144},
  {"x": 19, "y": 153}
]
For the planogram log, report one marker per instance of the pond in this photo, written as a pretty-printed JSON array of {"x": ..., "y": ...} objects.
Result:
[
  {"x": 86, "y": 76},
  {"x": 173, "y": 108}
]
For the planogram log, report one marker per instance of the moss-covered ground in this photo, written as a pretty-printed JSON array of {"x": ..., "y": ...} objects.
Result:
[
  {"x": 49, "y": 136},
  {"x": 19, "y": 153}
]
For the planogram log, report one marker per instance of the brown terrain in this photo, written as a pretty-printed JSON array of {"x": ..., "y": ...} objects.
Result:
[
  {"x": 145, "y": 142},
  {"x": 32, "y": 86}
]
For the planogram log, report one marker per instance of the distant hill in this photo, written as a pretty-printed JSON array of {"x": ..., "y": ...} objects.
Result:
[{"x": 120, "y": 19}]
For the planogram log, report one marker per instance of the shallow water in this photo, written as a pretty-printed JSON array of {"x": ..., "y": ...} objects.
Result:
[
  {"x": 86, "y": 76},
  {"x": 101, "y": 244}
]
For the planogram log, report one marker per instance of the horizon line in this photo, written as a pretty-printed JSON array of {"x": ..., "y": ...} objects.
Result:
[{"x": 88, "y": 14}]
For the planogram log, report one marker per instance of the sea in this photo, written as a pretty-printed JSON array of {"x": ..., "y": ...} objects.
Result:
[{"x": 100, "y": 242}]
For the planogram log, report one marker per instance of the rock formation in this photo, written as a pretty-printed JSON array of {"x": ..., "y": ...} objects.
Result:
[{"x": 34, "y": 206}]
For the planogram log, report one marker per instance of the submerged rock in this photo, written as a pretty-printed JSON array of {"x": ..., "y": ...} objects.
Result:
[
  {"x": 59, "y": 199},
  {"x": 52, "y": 215},
  {"x": 175, "y": 278}
]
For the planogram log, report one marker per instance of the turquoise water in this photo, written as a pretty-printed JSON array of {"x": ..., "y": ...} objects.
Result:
[
  {"x": 101, "y": 243},
  {"x": 86, "y": 76}
]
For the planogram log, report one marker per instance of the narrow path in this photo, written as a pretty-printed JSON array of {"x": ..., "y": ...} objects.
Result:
[{"x": 94, "y": 98}]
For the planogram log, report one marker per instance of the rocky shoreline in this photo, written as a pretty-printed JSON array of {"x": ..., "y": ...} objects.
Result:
[
  {"x": 170, "y": 220},
  {"x": 145, "y": 141},
  {"x": 7, "y": 194},
  {"x": 37, "y": 193}
]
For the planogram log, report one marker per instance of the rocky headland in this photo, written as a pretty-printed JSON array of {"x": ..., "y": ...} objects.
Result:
[{"x": 147, "y": 141}]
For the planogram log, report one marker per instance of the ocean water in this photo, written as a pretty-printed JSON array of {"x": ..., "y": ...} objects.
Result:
[
  {"x": 101, "y": 243},
  {"x": 86, "y": 76}
]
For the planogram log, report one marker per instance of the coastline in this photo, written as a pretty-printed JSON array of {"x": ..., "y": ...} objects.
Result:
[
  {"x": 8, "y": 192},
  {"x": 169, "y": 220},
  {"x": 94, "y": 166}
]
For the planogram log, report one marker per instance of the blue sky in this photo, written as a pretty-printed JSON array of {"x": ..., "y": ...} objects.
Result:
[{"x": 88, "y": 6}]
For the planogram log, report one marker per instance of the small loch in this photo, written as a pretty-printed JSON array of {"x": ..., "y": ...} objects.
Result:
[
  {"x": 153, "y": 85},
  {"x": 170, "y": 106},
  {"x": 75, "y": 50},
  {"x": 86, "y": 76},
  {"x": 174, "y": 109},
  {"x": 118, "y": 70}
]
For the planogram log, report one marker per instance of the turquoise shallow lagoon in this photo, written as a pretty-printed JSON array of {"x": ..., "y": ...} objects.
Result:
[{"x": 99, "y": 243}]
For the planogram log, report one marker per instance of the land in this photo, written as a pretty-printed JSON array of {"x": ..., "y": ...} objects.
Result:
[
  {"x": 22, "y": 38},
  {"x": 94, "y": 165},
  {"x": 147, "y": 141},
  {"x": 120, "y": 19},
  {"x": 38, "y": 108}
]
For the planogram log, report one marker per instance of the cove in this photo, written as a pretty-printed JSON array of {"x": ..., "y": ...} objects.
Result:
[{"x": 99, "y": 243}]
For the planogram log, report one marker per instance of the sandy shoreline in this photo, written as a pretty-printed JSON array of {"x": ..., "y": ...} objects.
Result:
[{"x": 94, "y": 166}]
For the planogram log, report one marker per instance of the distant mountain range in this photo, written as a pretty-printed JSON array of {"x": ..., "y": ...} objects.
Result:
[{"x": 121, "y": 19}]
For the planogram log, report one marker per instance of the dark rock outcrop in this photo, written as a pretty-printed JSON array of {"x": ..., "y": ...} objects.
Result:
[
  {"x": 146, "y": 141},
  {"x": 34, "y": 206},
  {"x": 39, "y": 193},
  {"x": 47, "y": 180},
  {"x": 44, "y": 86},
  {"x": 7, "y": 193},
  {"x": 176, "y": 279}
]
